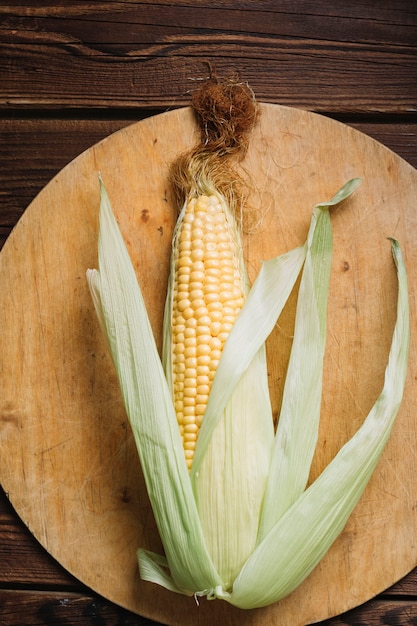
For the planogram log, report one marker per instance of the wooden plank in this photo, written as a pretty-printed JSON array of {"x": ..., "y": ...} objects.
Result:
[
  {"x": 4, "y": 233},
  {"x": 56, "y": 608},
  {"x": 32, "y": 151},
  {"x": 378, "y": 613},
  {"x": 23, "y": 561},
  {"x": 131, "y": 52},
  {"x": 116, "y": 23}
]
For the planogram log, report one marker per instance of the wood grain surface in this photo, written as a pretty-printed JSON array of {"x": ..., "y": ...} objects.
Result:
[
  {"x": 74, "y": 72},
  {"x": 67, "y": 459}
]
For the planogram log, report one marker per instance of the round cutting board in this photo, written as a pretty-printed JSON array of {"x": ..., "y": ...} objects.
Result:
[{"x": 67, "y": 458}]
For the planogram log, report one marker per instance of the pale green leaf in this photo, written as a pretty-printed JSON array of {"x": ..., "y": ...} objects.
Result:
[
  {"x": 302, "y": 536},
  {"x": 299, "y": 418},
  {"x": 148, "y": 403}
]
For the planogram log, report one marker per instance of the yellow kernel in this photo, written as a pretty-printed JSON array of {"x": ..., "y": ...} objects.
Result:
[
  {"x": 200, "y": 309},
  {"x": 188, "y": 402},
  {"x": 196, "y": 294},
  {"x": 203, "y": 349},
  {"x": 199, "y": 412},
  {"x": 197, "y": 244},
  {"x": 184, "y": 245},
  {"x": 211, "y": 255},
  {"x": 204, "y": 359},
  {"x": 189, "y": 392},
  {"x": 191, "y": 322},
  {"x": 211, "y": 280},
  {"x": 202, "y": 380},
  {"x": 191, "y": 429},
  {"x": 196, "y": 255},
  {"x": 187, "y": 313},
  {"x": 216, "y": 316},
  {"x": 188, "y": 416},
  {"x": 202, "y": 390},
  {"x": 190, "y": 362},
  {"x": 214, "y": 271},
  {"x": 225, "y": 295},
  {"x": 197, "y": 274},
  {"x": 190, "y": 436},
  {"x": 178, "y": 320},
  {"x": 215, "y": 328},
  {"x": 212, "y": 297},
  {"x": 204, "y": 320},
  {"x": 215, "y": 343},
  {"x": 184, "y": 261},
  {"x": 202, "y": 399},
  {"x": 201, "y": 314},
  {"x": 178, "y": 348},
  {"x": 188, "y": 445},
  {"x": 183, "y": 304},
  {"x": 228, "y": 269},
  {"x": 189, "y": 216},
  {"x": 190, "y": 372},
  {"x": 225, "y": 255},
  {"x": 203, "y": 340},
  {"x": 189, "y": 454},
  {"x": 216, "y": 354},
  {"x": 183, "y": 279},
  {"x": 190, "y": 352},
  {"x": 212, "y": 263},
  {"x": 195, "y": 284},
  {"x": 202, "y": 330},
  {"x": 213, "y": 306},
  {"x": 189, "y": 331},
  {"x": 190, "y": 341},
  {"x": 202, "y": 370}
]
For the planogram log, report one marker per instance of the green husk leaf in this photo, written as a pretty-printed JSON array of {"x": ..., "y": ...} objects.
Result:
[
  {"x": 122, "y": 313},
  {"x": 299, "y": 418},
  {"x": 299, "y": 540}
]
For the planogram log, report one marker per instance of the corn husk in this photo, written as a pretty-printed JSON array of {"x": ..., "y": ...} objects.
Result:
[{"x": 242, "y": 526}]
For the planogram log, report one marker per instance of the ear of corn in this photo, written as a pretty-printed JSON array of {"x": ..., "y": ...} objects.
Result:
[
  {"x": 240, "y": 526},
  {"x": 207, "y": 291}
]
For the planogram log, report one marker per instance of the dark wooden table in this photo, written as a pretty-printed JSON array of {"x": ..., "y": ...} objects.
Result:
[{"x": 72, "y": 72}]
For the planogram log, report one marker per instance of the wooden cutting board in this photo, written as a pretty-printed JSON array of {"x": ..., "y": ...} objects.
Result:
[{"x": 67, "y": 458}]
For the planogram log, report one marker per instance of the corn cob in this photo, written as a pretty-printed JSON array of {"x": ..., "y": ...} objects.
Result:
[
  {"x": 234, "y": 533},
  {"x": 234, "y": 515},
  {"x": 208, "y": 295}
]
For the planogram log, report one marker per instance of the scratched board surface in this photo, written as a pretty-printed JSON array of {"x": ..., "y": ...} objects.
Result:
[{"x": 67, "y": 458}]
